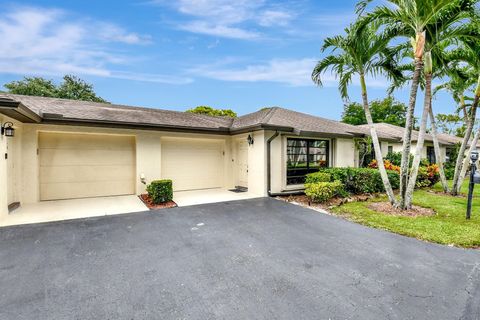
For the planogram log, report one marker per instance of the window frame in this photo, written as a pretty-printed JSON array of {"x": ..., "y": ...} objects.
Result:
[
  {"x": 307, "y": 155},
  {"x": 431, "y": 154}
]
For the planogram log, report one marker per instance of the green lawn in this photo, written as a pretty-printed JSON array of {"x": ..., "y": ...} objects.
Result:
[{"x": 448, "y": 226}]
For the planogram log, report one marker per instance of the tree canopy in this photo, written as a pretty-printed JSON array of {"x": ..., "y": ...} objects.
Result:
[
  {"x": 213, "y": 112},
  {"x": 71, "y": 87},
  {"x": 387, "y": 110}
]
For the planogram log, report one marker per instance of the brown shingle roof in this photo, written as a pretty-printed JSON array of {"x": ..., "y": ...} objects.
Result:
[
  {"x": 53, "y": 109},
  {"x": 105, "y": 112},
  {"x": 300, "y": 122},
  {"x": 393, "y": 132}
]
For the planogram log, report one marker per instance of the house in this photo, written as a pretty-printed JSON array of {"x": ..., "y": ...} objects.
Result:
[
  {"x": 66, "y": 149},
  {"x": 391, "y": 138}
]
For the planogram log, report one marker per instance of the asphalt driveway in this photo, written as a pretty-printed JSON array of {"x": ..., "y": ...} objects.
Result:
[{"x": 250, "y": 259}]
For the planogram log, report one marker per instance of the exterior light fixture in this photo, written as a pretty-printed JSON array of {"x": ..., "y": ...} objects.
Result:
[
  {"x": 7, "y": 129},
  {"x": 250, "y": 140},
  {"x": 474, "y": 179}
]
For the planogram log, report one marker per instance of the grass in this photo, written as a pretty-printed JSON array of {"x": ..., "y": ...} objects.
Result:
[{"x": 448, "y": 226}]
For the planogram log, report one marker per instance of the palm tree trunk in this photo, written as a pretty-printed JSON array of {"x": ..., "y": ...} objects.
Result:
[
  {"x": 466, "y": 161},
  {"x": 420, "y": 141},
  {"x": 436, "y": 147},
  {"x": 407, "y": 135},
  {"x": 466, "y": 138},
  {"x": 376, "y": 144}
]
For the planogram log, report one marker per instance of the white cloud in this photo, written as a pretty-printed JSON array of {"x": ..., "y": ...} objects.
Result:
[
  {"x": 270, "y": 18},
  {"x": 39, "y": 41},
  {"x": 293, "y": 72},
  {"x": 219, "y": 30},
  {"x": 114, "y": 33},
  {"x": 229, "y": 19}
]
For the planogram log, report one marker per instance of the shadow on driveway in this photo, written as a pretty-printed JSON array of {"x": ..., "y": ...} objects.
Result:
[{"x": 249, "y": 259}]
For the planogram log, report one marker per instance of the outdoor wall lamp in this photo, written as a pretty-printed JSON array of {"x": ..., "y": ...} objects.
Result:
[
  {"x": 250, "y": 140},
  {"x": 7, "y": 129}
]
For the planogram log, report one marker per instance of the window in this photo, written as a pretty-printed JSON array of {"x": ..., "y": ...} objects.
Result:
[
  {"x": 431, "y": 155},
  {"x": 305, "y": 156},
  {"x": 390, "y": 149},
  {"x": 450, "y": 154},
  {"x": 365, "y": 154}
]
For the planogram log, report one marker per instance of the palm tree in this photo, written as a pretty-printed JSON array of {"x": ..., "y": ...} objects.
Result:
[
  {"x": 461, "y": 79},
  {"x": 469, "y": 53},
  {"x": 420, "y": 20},
  {"x": 360, "y": 52}
]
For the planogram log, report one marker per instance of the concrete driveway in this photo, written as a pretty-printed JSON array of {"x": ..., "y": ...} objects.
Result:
[{"x": 249, "y": 259}]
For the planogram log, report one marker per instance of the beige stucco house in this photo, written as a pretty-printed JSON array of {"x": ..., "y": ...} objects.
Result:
[{"x": 65, "y": 149}]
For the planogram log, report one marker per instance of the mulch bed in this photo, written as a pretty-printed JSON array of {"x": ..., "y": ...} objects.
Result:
[
  {"x": 149, "y": 203},
  {"x": 387, "y": 208}
]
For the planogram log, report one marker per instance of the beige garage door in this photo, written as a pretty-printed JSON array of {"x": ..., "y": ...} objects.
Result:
[
  {"x": 193, "y": 164},
  {"x": 85, "y": 165}
]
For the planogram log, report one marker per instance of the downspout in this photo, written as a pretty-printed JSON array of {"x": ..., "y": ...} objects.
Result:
[{"x": 269, "y": 172}]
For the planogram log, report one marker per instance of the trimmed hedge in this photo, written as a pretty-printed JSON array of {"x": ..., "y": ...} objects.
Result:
[
  {"x": 323, "y": 191},
  {"x": 318, "y": 177},
  {"x": 160, "y": 191},
  {"x": 360, "y": 180}
]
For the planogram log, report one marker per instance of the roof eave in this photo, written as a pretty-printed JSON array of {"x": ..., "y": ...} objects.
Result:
[
  {"x": 18, "y": 111},
  {"x": 58, "y": 120}
]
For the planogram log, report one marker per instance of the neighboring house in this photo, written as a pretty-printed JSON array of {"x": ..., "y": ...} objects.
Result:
[
  {"x": 391, "y": 138},
  {"x": 66, "y": 149}
]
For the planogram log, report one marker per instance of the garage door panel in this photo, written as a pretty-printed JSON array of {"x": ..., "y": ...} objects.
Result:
[
  {"x": 69, "y": 190},
  {"x": 76, "y": 157},
  {"x": 193, "y": 164},
  {"x": 53, "y": 174},
  {"x": 85, "y": 165},
  {"x": 86, "y": 141}
]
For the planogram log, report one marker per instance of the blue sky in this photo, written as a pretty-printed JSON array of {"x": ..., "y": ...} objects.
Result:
[{"x": 243, "y": 54}]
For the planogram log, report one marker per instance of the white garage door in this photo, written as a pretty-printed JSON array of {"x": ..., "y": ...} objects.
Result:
[
  {"x": 193, "y": 164},
  {"x": 85, "y": 165}
]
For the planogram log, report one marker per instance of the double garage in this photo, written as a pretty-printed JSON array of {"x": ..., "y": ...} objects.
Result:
[{"x": 97, "y": 165}]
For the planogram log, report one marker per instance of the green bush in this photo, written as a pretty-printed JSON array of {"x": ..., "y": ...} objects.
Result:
[
  {"x": 362, "y": 180},
  {"x": 160, "y": 191},
  {"x": 323, "y": 191},
  {"x": 427, "y": 176},
  {"x": 318, "y": 177},
  {"x": 449, "y": 173},
  {"x": 394, "y": 157}
]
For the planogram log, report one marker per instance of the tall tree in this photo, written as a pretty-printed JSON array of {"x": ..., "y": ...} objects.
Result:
[
  {"x": 387, "y": 110},
  {"x": 360, "y": 52},
  {"x": 213, "y": 112},
  {"x": 71, "y": 88},
  {"x": 413, "y": 19},
  {"x": 470, "y": 54}
]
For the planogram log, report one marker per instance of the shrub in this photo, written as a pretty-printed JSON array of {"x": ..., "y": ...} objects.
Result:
[
  {"x": 160, "y": 191},
  {"x": 323, "y": 191},
  {"x": 427, "y": 176},
  {"x": 318, "y": 177},
  {"x": 362, "y": 180},
  {"x": 394, "y": 157},
  {"x": 340, "y": 174},
  {"x": 388, "y": 165},
  {"x": 449, "y": 173}
]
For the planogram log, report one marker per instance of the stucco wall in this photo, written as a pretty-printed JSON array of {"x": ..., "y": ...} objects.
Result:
[
  {"x": 398, "y": 147},
  {"x": 3, "y": 173},
  {"x": 9, "y": 181},
  {"x": 342, "y": 154},
  {"x": 148, "y": 155}
]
